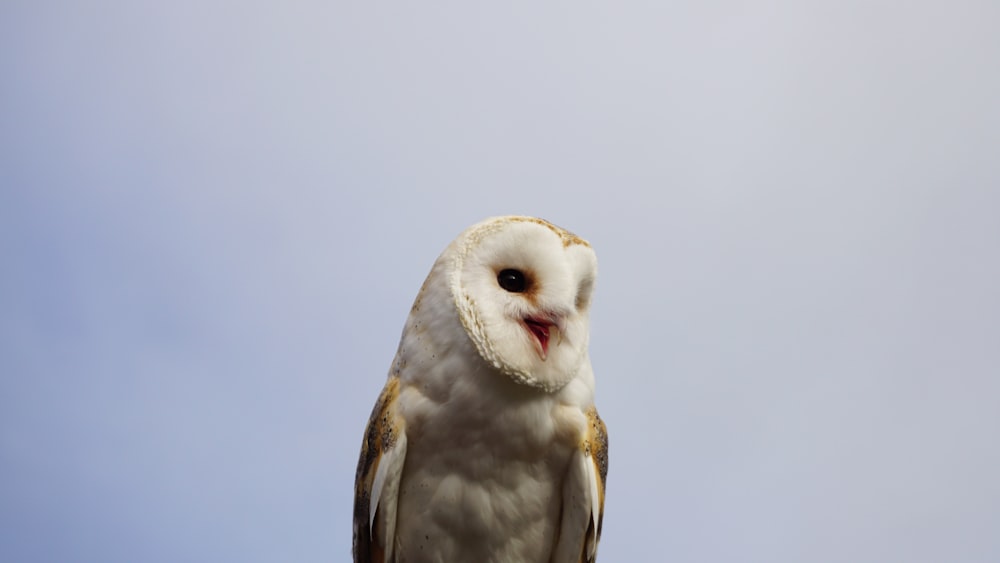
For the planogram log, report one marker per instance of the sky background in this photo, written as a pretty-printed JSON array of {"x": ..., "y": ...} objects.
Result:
[{"x": 214, "y": 216}]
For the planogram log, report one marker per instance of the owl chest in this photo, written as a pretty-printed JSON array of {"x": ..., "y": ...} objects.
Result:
[{"x": 482, "y": 480}]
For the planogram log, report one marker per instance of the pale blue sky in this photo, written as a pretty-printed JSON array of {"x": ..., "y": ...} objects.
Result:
[{"x": 214, "y": 216}]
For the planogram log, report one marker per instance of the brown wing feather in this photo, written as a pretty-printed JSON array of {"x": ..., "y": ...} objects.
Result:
[
  {"x": 597, "y": 448},
  {"x": 380, "y": 436}
]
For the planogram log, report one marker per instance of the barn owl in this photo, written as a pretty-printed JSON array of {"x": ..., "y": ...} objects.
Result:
[{"x": 485, "y": 445}]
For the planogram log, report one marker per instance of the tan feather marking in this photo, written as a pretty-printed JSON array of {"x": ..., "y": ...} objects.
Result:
[
  {"x": 380, "y": 435},
  {"x": 419, "y": 300},
  {"x": 596, "y": 446},
  {"x": 567, "y": 237}
]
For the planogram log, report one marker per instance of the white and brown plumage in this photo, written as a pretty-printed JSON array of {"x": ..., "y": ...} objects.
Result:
[{"x": 485, "y": 444}]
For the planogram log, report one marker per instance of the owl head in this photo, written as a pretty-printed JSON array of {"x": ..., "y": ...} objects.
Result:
[{"x": 522, "y": 289}]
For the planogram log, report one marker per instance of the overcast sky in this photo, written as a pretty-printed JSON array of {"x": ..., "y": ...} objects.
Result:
[{"x": 214, "y": 216}]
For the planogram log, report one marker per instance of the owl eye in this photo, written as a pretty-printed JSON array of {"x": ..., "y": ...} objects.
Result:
[{"x": 512, "y": 280}]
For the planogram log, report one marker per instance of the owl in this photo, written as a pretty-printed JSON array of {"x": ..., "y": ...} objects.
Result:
[{"x": 485, "y": 445}]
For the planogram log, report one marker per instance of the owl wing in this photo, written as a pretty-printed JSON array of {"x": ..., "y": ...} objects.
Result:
[
  {"x": 583, "y": 496},
  {"x": 376, "y": 484}
]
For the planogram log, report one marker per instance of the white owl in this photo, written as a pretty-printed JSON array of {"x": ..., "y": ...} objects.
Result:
[{"x": 485, "y": 445}]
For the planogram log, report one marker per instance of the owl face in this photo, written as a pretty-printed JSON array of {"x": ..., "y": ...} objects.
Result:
[{"x": 522, "y": 288}]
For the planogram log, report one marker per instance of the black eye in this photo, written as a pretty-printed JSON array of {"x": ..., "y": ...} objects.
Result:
[{"x": 512, "y": 280}]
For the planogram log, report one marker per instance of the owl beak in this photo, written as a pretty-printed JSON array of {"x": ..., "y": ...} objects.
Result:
[{"x": 542, "y": 329}]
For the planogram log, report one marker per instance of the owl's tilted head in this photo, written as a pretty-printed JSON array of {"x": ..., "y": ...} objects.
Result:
[{"x": 522, "y": 289}]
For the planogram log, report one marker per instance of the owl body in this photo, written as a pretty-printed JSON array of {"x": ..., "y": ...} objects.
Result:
[{"x": 485, "y": 444}]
